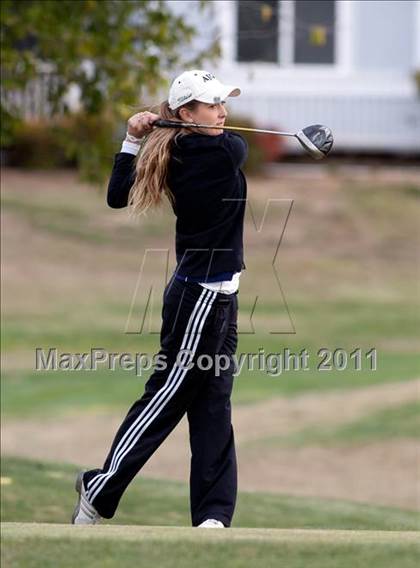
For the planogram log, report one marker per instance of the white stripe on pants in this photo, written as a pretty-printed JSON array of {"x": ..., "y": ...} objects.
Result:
[{"x": 161, "y": 398}]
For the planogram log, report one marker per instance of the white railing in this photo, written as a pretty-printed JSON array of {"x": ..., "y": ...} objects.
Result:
[{"x": 32, "y": 101}]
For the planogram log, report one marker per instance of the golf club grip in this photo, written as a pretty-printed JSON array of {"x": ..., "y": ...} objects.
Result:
[{"x": 167, "y": 123}]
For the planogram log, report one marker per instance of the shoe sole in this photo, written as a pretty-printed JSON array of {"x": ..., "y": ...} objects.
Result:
[{"x": 78, "y": 487}]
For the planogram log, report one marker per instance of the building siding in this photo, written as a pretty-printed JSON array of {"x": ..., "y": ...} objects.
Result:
[
  {"x": 384, "y": 35},
  {"x": 368, "y": 98}
]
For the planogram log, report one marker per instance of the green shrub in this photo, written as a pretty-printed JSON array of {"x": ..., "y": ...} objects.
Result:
[
  {"x": 89, "y": 142},
  {"x": 416, "y": 77},
  {"x": 34, "y": 144},
  {"x": 8, "y": 126},
  {"x": 79, "y": 140}
]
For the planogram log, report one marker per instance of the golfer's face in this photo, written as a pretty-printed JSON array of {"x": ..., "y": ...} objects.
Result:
[{"x": 212, "y": 114}]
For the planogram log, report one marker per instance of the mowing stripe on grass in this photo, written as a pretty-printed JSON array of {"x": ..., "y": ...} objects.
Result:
[{"x": 21, "y": 531}]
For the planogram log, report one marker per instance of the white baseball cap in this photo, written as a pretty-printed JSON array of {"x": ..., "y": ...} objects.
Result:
[{"x": 201, "y": 86}]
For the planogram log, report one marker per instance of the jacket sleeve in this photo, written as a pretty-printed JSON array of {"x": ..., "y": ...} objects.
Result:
[
  {"x": 237, "y": 148},
  {"x": 122, "y": 178}
]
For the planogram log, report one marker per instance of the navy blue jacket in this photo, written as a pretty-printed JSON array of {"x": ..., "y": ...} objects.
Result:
[{"x": 210, "y": 191}]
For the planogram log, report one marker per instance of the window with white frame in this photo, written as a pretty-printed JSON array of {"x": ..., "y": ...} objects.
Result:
[
  {"x": 286, "y": 31},
  {"x": 258, "y": 31}
]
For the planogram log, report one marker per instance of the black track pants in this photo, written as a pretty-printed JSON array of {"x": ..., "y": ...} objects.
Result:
[{"x": 197, "y": 325}]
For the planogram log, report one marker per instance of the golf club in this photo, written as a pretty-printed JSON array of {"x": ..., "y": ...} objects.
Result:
[{"x": 316, "y": 139}]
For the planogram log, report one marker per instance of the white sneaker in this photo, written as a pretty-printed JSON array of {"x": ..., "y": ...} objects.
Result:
[
  {"x": 212, "y": 524},
  {"x": 84, "y": 513}
]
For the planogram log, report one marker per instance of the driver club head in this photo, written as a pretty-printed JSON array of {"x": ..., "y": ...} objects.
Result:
[{"x": 317, "y": 140}]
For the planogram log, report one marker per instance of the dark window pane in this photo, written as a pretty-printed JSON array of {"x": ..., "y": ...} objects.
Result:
[
  {"x": 314, "y": 31},
  {"x": 257, "y": 30}
]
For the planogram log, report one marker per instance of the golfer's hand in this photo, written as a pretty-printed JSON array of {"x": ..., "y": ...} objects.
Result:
[{"x": 141, "y": 123}]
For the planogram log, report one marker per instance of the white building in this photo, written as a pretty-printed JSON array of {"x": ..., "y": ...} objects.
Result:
[{"x": 349, "y": 64}]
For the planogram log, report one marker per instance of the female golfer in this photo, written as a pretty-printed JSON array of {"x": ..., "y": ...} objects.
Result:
[{"x": 199, "y": 172}]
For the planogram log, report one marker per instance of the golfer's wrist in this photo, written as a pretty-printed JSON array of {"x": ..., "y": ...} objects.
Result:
[
  {"x": 134, "y": 139},
  {"x": 131, "y": 144}
]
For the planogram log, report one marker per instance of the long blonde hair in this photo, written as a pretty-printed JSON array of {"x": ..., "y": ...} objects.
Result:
[{"x": 152, "y": 163}]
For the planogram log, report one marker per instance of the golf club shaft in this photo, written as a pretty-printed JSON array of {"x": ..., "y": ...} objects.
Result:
[
  {"x": 303, "y": 137},
  {"x": 175, "y": 124}
]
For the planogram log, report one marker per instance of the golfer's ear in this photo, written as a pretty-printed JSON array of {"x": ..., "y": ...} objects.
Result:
[{"x": 185, "y": 115}]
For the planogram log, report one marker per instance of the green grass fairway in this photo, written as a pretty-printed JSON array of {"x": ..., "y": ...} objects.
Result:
[
  {"x": 45, "y": 545},
  {"x": 50, "y": 497}
]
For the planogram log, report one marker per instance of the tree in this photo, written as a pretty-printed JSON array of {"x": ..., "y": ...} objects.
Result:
[{"x": 114, "y": 51}]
